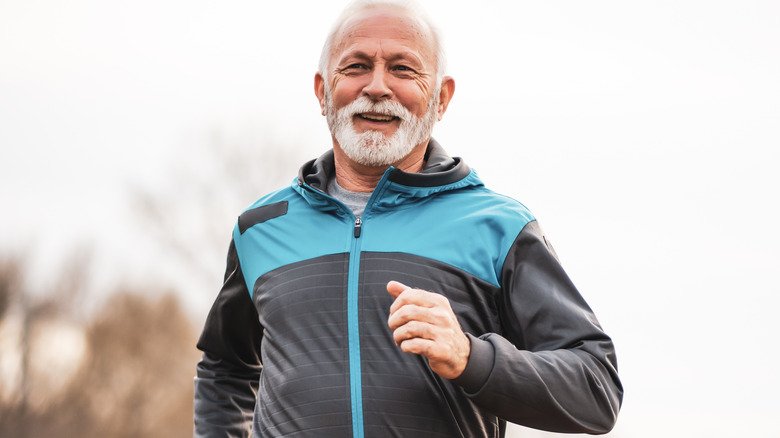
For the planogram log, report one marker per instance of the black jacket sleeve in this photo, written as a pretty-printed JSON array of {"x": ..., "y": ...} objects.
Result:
[
  {"x": 228, "y": 374},
  {"x": 553, "y": 367}
]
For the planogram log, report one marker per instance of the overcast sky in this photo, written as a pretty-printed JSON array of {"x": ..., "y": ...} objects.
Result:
[{"x": 643, "y": 135}]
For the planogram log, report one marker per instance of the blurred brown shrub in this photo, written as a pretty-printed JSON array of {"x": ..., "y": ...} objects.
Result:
[{"x": 135, "y": 379}]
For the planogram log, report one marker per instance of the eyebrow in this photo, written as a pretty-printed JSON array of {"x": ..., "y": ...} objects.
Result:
[
  {"x": 405, "y": 55},
  {"x": 356, "y": 54}
]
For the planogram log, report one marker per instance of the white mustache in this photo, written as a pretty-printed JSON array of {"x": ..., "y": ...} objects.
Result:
[{"x": 385, "y": 107}]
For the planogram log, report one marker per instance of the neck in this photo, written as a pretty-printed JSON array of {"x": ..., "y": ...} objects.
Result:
[{"x": 358, "y": 177}]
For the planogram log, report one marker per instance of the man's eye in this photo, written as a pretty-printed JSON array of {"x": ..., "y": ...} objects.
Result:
[
  {"x": 356, "y": 67},
  {"x": 402, "y": 68}
]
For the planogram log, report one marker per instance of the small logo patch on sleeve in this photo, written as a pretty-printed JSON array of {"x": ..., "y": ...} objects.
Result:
[{"x": 252, "y": 217}]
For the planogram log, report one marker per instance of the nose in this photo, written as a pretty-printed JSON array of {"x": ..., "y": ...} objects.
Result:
[{"x": 377, "y": 89}]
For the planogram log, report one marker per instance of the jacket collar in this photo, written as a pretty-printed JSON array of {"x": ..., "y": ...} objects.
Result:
[
  {"x": 441, "y": 173},
  {"x": 440, "y": 170}
]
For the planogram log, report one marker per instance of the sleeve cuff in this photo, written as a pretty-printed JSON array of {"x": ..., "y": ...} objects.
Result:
[{"x": 479, "y": 366}]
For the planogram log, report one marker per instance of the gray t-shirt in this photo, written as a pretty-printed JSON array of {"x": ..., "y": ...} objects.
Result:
[{"x": 356, "y": 201}]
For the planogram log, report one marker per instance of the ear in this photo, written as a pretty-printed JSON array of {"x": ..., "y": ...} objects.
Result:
[
  {"x": 445, "y": 95},
  {"x": 319, "y": 91}
]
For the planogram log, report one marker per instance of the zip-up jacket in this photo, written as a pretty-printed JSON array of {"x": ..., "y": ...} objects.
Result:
[{"x": 297, "y": 342}]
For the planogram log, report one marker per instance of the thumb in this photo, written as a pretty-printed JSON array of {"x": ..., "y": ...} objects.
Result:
[{"x": 395, "y": 288}]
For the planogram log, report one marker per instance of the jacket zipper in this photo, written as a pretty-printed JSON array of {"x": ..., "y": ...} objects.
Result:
[
  {"x": 353, "y": 309},
  {"x": 353, "y": 331},
  {"x": 358, "y": 226}
]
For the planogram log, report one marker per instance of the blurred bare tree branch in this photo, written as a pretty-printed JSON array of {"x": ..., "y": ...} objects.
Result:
[{"x": 192, "y": 213}]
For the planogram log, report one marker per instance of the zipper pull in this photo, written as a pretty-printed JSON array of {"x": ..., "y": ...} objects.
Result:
[{"x": 358, "y": 224}]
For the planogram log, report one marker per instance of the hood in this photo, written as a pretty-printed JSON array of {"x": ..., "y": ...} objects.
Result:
[{"x": 441, "y": 173}]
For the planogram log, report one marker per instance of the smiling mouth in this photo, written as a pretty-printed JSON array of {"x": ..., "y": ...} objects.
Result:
[{"x": 376, "y": 117}]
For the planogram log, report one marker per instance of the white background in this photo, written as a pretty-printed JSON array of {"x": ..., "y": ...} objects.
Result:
[{"x": 643, "y": 135}]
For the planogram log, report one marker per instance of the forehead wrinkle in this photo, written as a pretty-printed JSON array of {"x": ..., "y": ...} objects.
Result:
[
  {"x": 410, "y": 29},
  {"x": 412, "y": 39},
  {"x": 387, "y": 55}
]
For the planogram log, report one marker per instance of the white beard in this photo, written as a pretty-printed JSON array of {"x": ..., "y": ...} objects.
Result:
[{"x": 373, "y": 148}]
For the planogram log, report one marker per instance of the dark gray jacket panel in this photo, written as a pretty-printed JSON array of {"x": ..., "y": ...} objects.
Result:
[
  {"x": 553, "y": 367},
  {"x": 304, "y": 387},
  {"x": 227, "y": 375}
]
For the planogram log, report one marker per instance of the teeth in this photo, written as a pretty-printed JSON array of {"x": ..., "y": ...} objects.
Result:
[{"x": 378, "y": 118}]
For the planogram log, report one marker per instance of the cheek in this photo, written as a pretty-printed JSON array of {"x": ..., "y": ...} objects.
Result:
[
  {"x": 423, "y": 86},
  {"x": 344, "y": 90},
  {"x": 420, "y": 94}
]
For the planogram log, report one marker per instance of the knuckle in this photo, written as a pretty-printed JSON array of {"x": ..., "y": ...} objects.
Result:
[
  {"x": 397, "y": 303},
  {"x": 409, "y": 346},
  {"x": 408, "y": 293},
  {"x": 412, "y": 296},
  {"x": 392, "y": 322},
  {"x": 399, "y": 334},
  {"x": 416, "y": 326},
  {"x": 441, "y": 315},
  {"x": 407, "y": 312}
]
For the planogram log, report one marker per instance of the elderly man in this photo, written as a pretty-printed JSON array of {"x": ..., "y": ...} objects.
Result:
[{"x": 387, "y": 292}]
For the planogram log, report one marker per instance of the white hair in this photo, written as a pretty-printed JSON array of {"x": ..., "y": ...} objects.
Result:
[{"x": 410, "y": 6}]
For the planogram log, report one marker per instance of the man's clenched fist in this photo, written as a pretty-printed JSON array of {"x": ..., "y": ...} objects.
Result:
[{"x": 424, "y": 323}]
